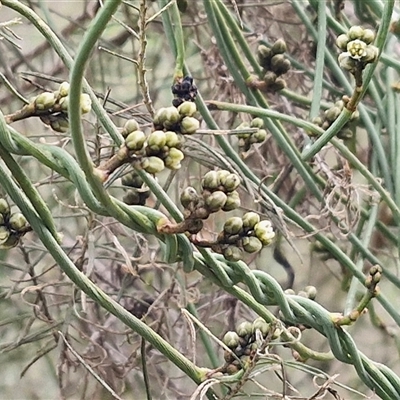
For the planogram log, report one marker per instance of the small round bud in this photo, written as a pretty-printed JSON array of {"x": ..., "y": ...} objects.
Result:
[
  {"x": 276, "y": 61},
  {"x": 264, "y": 55},
  {"x": 346, "y": 62},
  {"x": 231, "y": 339},
  {"x": 250, "y": 220},
  {"x": 189, "y": 196},
  {"x": 355, "y": 32},
  {"x": 63, "y": 90},
  {"x": 279, "y": 47},
  {"x": 156, "y": 140},
  {"x": 189, "y": 125},
  {"x": 263, "y": 230},
  {"x": 369, "y": 36},
  {"x": 172, "y": 117},
  {"x": 278, "y": 85},
  {"x": 261, "y": 325},
  {"x": 130, "y": 126},
  {"x": 371, "y": 54},
  {"x": 45, "y": 101},
  {"x": 4, "y": 234},
  {"x": 317, "y": 121},
  {"x": 85, "y": 103},
  {"x": 63, "y": 103},
  {"x": 132, "y": 180},
  {"x": 12, "y": 241},
  {"x": 311, "y": 292},
  {"x": 159, "y": 117},
  {"x": 251, "y": 244},
  {"x": 4, "y": 208},
  {"x": 222, "y": 174},
  {"x": 18, "y": 222},
  {"x": 244, "y": 329},
  {"x": 259, "y": 136},
  {"x": 270, "y": 78},
  {"x": 257, "y": 123},
  {"x": 232, "y": 201},
  {"x": 174, "y": 158},
  {"x": 210, "y": 180},
  {"x": 187, "y": 109},
  {"x": 233, "y": 253},
  {"x": 216, "y": 200},
  {"x": 342, "y": 41},
  {"x": 60, "y": 124},
  {"x": 135, "y": 140},
  {"x": 231, "y": 182},
  {"x": 332, "y": 113},
  {"x": 152, "y": 164},
  {"x": 233, "y": 226},
  {"x": 172, "y": 139}
]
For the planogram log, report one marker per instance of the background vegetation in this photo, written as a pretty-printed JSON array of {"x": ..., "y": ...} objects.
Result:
[{"x": 97, "y": 303}]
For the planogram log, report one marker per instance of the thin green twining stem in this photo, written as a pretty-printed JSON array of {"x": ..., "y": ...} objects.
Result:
[
  {"x": 93, "y": 291},
  {"x": 320, "y": 61}
]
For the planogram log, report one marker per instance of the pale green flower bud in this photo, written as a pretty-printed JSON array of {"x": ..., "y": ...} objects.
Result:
[
  {"x": 64, "y": 103},
  {"x": 257, "y": 123},
  {"x": 250, "y": 220},
  {"x": 332, "y": 113},
  {"x": 261, "y": 325},
  {"x": 210, "y": 180},
  {"x": 233, "y": 226},
  {"x": 156, "y": 140},
  {"x": 222, "y": 174},
  {"x": 4, "y": 234},
  {"x": 174, "y": 158},
  {"x": 371, "y": 54},
  {"x": 342, "y": 41},
  {"x": 232, "y": 201},
  {"x": 172, "y": 117},
  {"x": 355, "y": 32},
  {"x": 311, "y": 292},
  {"x": 160, "y": 116},
  {"x": 346, "y": 62},
  {"x": 11, "y": 241},
  {"x": 189, "y": 125},
  {"x": 63, "y": 90},
  {"x": 259, "y": 136},
  {"x": 4, "y": 207},
  {"x": 135, "y": 140},
  {"x": 369, "y": 36},
  {"x": 216, "y": 200},
  {"x": 187, "y": 109},
  {"x": 18, "y": 222},
  {"x": 152, "y": 164},
  {"x": 45, "y": 101},
  {"x": 357, "y": 49},
  {"x": 233, "y": 253},
  {"x": 172, "y": 139},
  {"x": 264, "y": 231},
  {"x": 231, "y": 182},
  {"x": 264, "y": 54},
  {"x": 244, "y": 329},
  {"x": 86, "y": 103},
  {"x": 189, "y": 196},
  {"x": 251, "y": 244},
  {"x": 131, "y": 125},
  {"x": 231, "y": 339},
  {"x": 279, "y": 47},
  {"x": 270, "y": 78},
  {"x": 176, "y": 154}
]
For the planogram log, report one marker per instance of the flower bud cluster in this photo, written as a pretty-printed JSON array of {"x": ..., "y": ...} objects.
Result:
[
  {"x": 245, "y": 341},
  {"x": 331, "y": 114},
  {"x": 248, "y": 234},
  {"x": 309, "y": 292},
  {"x": 247, "y": 139},
  {"x": 357, "y": 49},
  {"x": 12, "y": 226},
  {"x": 180, "y": 120},
  {"x": 158, "y": 150},
  {"x": 184, "y": 90},
  {"x": 274, "y": 64},
  {"x": 53, "y": 107},
  {"x": 138, "y": 193}
]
